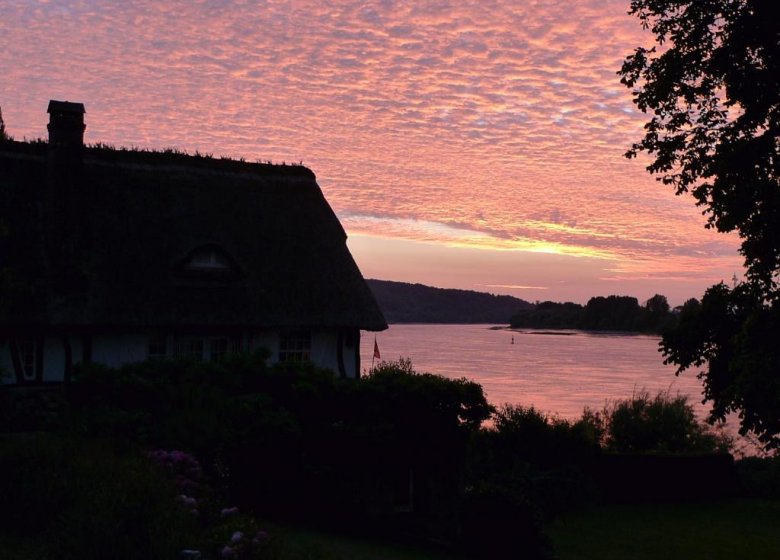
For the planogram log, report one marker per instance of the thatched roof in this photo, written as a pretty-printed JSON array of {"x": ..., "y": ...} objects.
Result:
[{"x": 142, "y": 215}]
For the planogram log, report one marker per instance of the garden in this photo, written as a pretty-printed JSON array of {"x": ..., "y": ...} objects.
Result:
[{"x": 242, "y": 459}]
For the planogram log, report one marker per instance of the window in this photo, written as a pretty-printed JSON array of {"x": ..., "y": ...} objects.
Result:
[
  {"x": 206, "y": 347},
  {"x": 295, "y": 346},
  {"x": 219, "y": 349},
  {"x": 190, "y": 348},
  {"x": 208, "y": 258},
  {"x": 157, "y": 347},
  {"x": 27, "y": 357},
  {"x": 209, "y": 261}
]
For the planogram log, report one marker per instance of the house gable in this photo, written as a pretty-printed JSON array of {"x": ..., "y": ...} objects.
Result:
[{"x": 104, "y": 241}]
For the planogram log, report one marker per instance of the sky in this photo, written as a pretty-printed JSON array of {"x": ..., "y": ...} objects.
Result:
[{"x": 465, "y": 144}]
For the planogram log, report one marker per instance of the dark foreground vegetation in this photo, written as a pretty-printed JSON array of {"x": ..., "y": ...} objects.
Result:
[
  {"x": 709, "y": 83},
  {"x": 159, "y": 457},
  {"x": 720, "y": 530}
]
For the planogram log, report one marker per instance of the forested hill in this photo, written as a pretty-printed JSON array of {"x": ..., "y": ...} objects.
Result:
[{"x": 416, "y": 303}]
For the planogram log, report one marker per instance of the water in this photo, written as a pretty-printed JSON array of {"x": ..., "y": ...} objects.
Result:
[{"x": 557, "y": 373}]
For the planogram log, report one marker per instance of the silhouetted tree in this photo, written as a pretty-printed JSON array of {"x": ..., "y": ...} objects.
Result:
[
  {"x": 656, "y": 313},
  {"x": 714, "y": 93},
  {"x": 3, "y": 135},
  {"x": 549, "y": 315},
  {"x": 657, "y": 305},
  {"x": 613, "y": 313}
]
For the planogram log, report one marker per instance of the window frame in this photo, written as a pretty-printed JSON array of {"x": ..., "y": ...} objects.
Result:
[
  {"x": 28, "y": 358},
  {"x": 295, "y": 345},
  {"x": 157, "y": 347}
]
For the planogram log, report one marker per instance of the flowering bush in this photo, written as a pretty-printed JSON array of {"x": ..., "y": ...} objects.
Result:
[
  {"x": 233, "y": 536},
  {"x": 88, "y": 499},
  {"x": 228, "y": 512},
  {"x": 186, "y": 473},
  {"x": 240, "y": 538}
]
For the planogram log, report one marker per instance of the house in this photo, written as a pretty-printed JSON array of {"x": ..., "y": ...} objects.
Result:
[{"x": 117, "y": 256}]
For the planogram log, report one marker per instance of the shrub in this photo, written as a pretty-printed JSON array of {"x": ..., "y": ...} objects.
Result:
[
  {"x": 292, "y": 440},
  {"x": 759, "y": 477},
  {"x": 495, "y": 524},
  {"x": 89, "y": 500},
  {"x": 31, "y": 408},
  {"x": 540, "y": 439},
  {"x": 660, "y": 424},
  {"x": 535, "y": 459},
  {"x": 240, "y": 537},
  {"x": 450, "y": 402}
]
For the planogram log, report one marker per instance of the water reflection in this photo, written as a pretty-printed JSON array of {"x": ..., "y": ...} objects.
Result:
[{"x": 559, "y": 373}]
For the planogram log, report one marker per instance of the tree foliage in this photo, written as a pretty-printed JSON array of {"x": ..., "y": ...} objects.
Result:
[
  {"x": 611, "y": 313},
  {"x": 663, "y": 423},
  {"x": 3, "y": 135},
  {"x": 712, "y": 86},
  {"x": 620, "y": 313}
]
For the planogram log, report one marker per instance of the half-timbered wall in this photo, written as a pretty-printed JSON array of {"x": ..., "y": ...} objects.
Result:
[{"x": 46, "y": 359}]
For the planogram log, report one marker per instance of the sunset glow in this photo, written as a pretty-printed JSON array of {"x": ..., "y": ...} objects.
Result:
[{"x": 476, "y": 145}]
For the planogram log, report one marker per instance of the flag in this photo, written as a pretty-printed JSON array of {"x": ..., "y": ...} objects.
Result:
[{"x": 377, "y": 355}]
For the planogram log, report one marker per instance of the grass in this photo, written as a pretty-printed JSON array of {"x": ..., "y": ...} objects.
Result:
[
  {"x": 20, "y": 548},
  {"x": 294, "y": 544},
  {"x": 305, "y": 544},
  {"x": 712, "y": 531},
  {"x": 706, "y": 531}
]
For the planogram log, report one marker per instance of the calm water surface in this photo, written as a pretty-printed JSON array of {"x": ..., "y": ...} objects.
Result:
[{"x": 557, "y": 373}]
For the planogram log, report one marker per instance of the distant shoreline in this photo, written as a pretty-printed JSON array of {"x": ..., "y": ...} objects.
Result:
[{"x": 527, "y": 330}]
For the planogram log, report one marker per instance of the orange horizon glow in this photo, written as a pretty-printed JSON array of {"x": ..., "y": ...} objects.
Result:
[{"x": 477, "y": 146}]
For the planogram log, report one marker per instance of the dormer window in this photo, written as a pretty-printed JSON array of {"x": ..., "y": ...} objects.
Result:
[{"x": 209, "y": 260}]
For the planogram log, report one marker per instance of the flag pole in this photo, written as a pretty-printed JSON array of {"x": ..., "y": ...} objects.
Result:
[{"x": 376, "y": 355}]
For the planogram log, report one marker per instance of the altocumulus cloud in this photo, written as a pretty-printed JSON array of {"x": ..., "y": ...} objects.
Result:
[{"x": 497, "y": 124}]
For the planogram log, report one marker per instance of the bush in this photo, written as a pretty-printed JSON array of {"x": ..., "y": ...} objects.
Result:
[
  {"x": 194, "y": 405},
  {"x": 535, "y": 459},
  {"x": 25, "y": 409},
  {"x": 660, "y": 424},
  {"x": 759, "y": 477},
  {"x": 294, "y": 441},
  {"x": 540, "y": 439},
  {"x": 89, "y": 500},
  {"x": 496, "y": 524},
  {"x": 240, "y": 537},
  {"x": 450, "y": 402}
]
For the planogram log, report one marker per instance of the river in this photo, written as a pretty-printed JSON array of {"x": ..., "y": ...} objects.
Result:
[{"x": 558, "y": 372}]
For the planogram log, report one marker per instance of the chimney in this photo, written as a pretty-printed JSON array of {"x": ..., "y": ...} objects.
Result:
[
  {"x": 66, "y": 222},
  {"x": 66, "y": 124}
]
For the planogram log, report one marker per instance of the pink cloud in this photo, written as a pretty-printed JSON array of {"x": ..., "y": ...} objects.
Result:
[{"x": 497, "y": 121}]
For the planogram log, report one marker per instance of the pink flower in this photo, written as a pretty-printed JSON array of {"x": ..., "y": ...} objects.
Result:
[
  {"x": 260, "y": 536},
  {"x": 236, "y": 538},
  {"x": 227, "y": 512},
  {"x": 188, "y": 501},
  {"x": 228, "y": 552}
]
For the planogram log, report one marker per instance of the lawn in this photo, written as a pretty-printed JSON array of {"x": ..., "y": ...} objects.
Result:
[
  {"x": 292, "y": 543},
  {"x": 731, "y": 529},
  {"x": 304, "y": 544}
]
